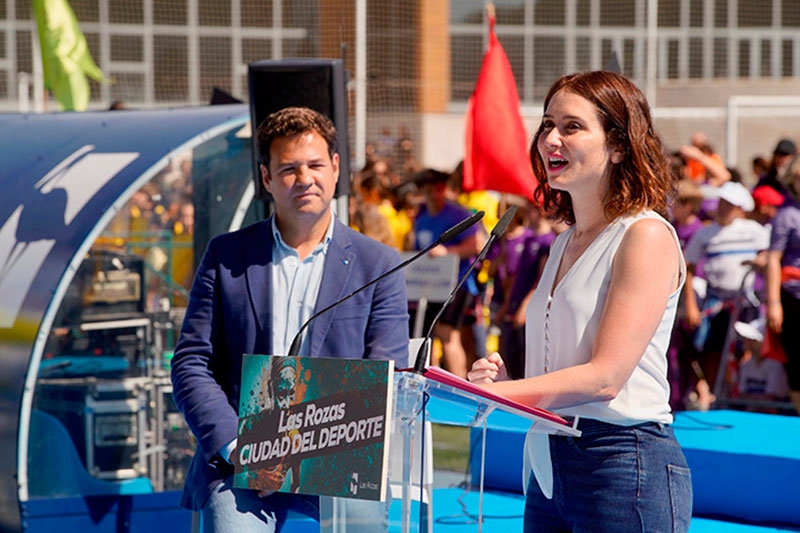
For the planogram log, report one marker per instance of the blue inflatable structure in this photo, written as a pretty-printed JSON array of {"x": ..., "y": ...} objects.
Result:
[{"x": 97, "y": 242}]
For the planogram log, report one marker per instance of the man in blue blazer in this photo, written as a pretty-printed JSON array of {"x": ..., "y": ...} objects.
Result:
[{"x": 253, "y": 291}]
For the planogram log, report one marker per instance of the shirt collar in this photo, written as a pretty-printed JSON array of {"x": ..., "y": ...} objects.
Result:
[{"x": 284, "y": 249}]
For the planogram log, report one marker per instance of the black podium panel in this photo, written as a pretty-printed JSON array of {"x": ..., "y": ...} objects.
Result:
[{"x": 315, "y": 83}]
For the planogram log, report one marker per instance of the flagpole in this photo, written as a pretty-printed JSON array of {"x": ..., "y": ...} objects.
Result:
[
  {"x": 361, "y": 84},
  {"x": 490, "y": 20},
  {"x": 39, "y": 95},
  {"x": 652, "y": 51}
]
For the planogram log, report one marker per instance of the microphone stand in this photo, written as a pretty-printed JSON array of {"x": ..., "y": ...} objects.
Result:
[
  {"x": 412, "y": 395},
  {"x": 448, "y": 234},
  {"x": 497, "y": 231}
]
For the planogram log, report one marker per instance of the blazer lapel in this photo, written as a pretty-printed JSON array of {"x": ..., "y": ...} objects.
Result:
[
  {"x": 258, "y": 258},
  {"x": 338, "y": 267}
]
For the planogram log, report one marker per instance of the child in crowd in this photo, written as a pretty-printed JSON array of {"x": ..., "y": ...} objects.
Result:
[
  {"x": 685, "y": 212},
  {"x": 762, "y": 376}
]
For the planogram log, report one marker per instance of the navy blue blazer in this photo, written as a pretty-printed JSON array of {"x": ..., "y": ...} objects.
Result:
[{"x": 230, "y": 314}]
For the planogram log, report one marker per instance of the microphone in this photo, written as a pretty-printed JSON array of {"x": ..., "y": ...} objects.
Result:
[
  {"x": 446, "y": 236},
  {"x": 497, "y": 231}
]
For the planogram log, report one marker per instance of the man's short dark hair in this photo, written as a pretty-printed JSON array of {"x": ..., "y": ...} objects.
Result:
[
  {"x": 430, "y": 176},
  {"x": 291, "y": 121}
]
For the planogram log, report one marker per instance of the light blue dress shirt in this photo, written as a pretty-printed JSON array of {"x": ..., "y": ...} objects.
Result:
[{"x": 295, "y": 286}]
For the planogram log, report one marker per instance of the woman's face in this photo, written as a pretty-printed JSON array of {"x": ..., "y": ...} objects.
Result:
[{"x": 573, "y": 145}]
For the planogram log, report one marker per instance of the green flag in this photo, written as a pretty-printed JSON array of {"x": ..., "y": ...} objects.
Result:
[{"x": 65, "y": 55}]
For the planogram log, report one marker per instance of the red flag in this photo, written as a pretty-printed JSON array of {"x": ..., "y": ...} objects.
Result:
[{"x": 496, "y": 148}]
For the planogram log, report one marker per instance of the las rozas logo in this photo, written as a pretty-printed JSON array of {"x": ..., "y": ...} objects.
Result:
[{"x": 355, "y": 484}]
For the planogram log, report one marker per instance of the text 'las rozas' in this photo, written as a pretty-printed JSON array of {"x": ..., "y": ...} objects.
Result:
[{"x": 312, "y": 416}]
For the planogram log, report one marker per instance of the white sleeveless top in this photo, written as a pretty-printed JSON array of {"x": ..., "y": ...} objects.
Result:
[{"x": 563, "y": 334}]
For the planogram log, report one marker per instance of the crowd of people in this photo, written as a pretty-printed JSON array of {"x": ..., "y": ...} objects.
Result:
[
  {"x": 158, "y": 224},
  {"x": 624, "y": 332},
  {"x": 740, "y": 241},
  {"x": 742, "y": 280}
]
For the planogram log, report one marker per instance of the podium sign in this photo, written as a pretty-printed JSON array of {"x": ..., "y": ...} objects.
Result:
[
  {"x": 315, "y": 426},
  {"x": 430, "y": 278},
  {"x": 450, "y": 400}
]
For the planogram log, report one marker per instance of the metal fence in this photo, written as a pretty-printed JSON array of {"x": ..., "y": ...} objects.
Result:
[{"x": 167, "y": 53}]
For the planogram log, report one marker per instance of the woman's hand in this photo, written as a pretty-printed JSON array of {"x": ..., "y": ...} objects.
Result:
[{"x": 488, "y": 370}]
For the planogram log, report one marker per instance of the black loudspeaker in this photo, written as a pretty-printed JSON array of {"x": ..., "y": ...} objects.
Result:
[{"x": 315, "y": 83}]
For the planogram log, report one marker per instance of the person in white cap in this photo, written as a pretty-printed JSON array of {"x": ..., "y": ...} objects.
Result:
[{"x": 727, "y": 249}]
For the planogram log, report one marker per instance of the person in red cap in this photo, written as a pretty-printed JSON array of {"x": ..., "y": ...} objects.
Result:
[{"x": 767, "y": 201}]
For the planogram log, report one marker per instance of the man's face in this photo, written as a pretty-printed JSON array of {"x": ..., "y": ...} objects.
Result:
[
  {"x": 435, "y": 196},
  {"x": 187, "y": 218},
  {"x": 727, "y": 212},
  {"x": 301, "y": 177},
  {"x": 285, "y": 387},
  {"x": 765, "y": 212},
  {"x": 781, "y": 160}
]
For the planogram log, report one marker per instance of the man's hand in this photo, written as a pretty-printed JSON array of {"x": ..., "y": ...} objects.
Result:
[
  {"x": 439, "y": 251},
  {"x": 759, "y": 263},
  {"x": 775, "y": 316}
]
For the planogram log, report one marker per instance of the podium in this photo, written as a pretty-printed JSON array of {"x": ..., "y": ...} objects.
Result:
[{"x": 438, "y": 397}]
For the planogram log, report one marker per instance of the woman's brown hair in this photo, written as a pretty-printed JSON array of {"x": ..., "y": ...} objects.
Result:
[{"x": 642, "y": 180}]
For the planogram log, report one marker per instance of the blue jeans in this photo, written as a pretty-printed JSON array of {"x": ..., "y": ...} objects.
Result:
[
  {"x": 614, "y": 478},
  {"x": 231, "y": 510}
]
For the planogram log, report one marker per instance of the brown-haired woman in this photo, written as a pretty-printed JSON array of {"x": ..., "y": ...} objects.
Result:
[{"x": 598, "y": 325}]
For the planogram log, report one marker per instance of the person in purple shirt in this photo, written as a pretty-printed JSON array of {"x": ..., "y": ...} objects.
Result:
[
  {"x": 504, "y": 256},
  {"x": 505, "y": 253},
  {"x": 685, "y": 217},
  {"x": 533, "y": 257},
  {"x": 685, "y": 211},
  {"x": 783, "y": 278}
]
